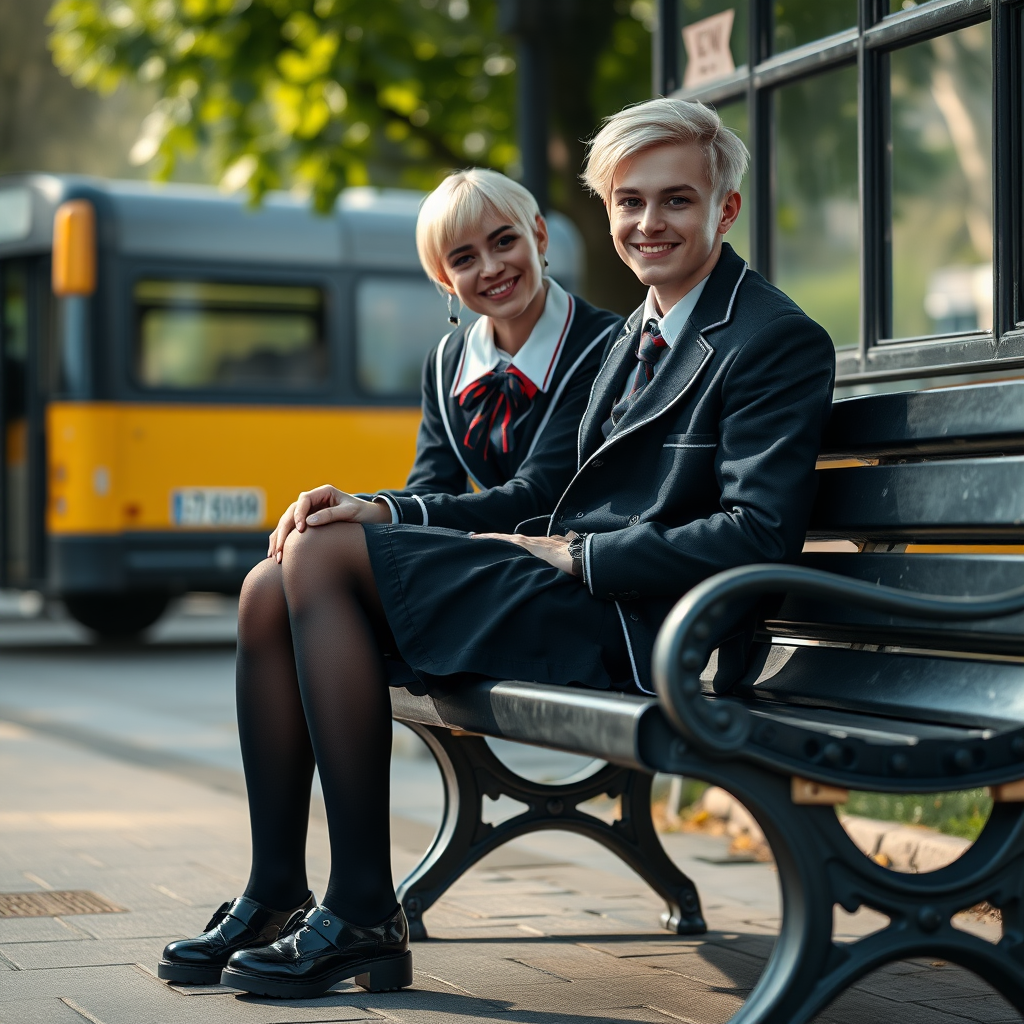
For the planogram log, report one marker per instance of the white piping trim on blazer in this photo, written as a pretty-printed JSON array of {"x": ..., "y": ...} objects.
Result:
[
  {"x": 624, "y": 331},
  {"x": 732, "y": 299},
  {"x": 561, "y": 387},
  {"x": 444, "y": 411},
  {"x": 629, "y": 648},
  {"x": 423, "y": 509},
  {"x": 709, "y": 351}
]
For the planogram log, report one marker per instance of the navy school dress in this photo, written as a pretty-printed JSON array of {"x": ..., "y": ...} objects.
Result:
[
  {"x": 485, "y": 462},
  {"x": 712, "y": 466}
]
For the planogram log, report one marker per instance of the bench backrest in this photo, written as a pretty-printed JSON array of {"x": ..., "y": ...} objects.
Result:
[{"x": 930, "y": 487}]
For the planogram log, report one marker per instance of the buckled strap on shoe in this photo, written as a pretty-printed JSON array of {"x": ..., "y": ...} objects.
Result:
[
  {"x": 244, "y": 910},
  {"x": 326, "y": 923},
  {"x": 218, "y": 915}
]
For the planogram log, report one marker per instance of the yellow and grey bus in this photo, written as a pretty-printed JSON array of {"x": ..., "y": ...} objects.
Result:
[{"x": 176, "y": 366}]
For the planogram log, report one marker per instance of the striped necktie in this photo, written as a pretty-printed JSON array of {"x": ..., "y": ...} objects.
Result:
[{"x": 648, "y": 352}]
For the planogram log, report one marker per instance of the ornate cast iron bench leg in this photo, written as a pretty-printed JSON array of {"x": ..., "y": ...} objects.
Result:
[
  {"x": 819, "y": 866},
  {"x": 470, "y": 771}
]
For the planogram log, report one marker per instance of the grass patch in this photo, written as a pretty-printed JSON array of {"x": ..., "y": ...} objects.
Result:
[{"x": 962, "y": 813}]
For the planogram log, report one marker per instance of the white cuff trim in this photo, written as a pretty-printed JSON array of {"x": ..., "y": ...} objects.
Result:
[
  {"x": 395, "y": 517},
  {"x": 423, "y": 509}
]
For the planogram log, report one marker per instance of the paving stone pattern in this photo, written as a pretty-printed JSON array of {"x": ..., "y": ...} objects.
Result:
[{"x": 549, "y": 930}]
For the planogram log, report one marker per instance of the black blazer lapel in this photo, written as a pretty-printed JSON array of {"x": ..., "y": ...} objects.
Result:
[
  {"x": 682, "y": 366},
  {"x": 692, "y": 350},
  {"x": 608, "y": 385}
]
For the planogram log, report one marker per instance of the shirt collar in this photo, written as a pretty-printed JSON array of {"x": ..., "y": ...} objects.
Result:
[
  {"x": 536, "y": 360},
  {"x": 671, "y": 324}
]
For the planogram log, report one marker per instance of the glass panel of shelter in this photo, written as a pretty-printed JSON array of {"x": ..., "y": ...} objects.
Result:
[
  {"x": 942, "y": 184},
  {"x": 802, "y": 21},
  {"x": 734, "y": 116},
  {"x": 940, "y": 171},
  {"x": 817, "y": 214},
  {"x": 713, "y": 40}
]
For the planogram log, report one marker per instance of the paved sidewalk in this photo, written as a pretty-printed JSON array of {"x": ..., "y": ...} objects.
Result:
[{"x": 548, "y": 930}]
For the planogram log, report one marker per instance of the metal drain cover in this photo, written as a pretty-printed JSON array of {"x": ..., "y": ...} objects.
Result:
[{"x": 55, "y": 904}]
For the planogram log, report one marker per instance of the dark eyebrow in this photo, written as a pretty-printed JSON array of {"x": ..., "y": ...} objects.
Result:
[
  {"x": 493, "y": 234},
  {"x": 678, "y": 188}
]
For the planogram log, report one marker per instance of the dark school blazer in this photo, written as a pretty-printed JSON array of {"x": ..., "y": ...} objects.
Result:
[
  {"x": 526, "y": 483},
  {"x": 713, "y": 466}
]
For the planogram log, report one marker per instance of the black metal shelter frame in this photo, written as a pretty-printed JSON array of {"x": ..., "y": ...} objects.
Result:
[{"x": 869, "y": 46}]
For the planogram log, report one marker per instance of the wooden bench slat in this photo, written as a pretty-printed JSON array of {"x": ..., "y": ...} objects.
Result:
[
  {"x": 980, "y": 416},
  {"x": 954, "y": 500}
]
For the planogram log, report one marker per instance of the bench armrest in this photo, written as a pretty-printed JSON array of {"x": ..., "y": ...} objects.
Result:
[{"x": 719, "y": 727}]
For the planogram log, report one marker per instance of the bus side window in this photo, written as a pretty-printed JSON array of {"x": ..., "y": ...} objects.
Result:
[
  {"x": 238, "y": 337},
  {"x": 399, "y": 318}
]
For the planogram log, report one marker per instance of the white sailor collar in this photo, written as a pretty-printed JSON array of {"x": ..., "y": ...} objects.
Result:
[
  {"x": 671, "y": 324},
  {"x": 536, "y": 360}
]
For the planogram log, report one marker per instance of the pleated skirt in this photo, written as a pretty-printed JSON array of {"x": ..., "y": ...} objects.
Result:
[{"x": 464, "y": 609}]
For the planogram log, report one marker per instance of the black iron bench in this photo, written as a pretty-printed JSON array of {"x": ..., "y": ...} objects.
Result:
[{"x": 868, "y": 670}]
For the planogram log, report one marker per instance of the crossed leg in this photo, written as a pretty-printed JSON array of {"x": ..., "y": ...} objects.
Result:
[{"x": 311, "y": 689}]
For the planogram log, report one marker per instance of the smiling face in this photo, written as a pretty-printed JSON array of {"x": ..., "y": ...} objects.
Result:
[
  {"x": 666, "y": 221},
  {"x": 496, "y": 270}
]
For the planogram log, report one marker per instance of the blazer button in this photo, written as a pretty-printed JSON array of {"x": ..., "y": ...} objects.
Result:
[
  {"x": 633, "y": 520},
  {"x": 597, "y": 463},
  {"x": 579, "y": 515},
  {"x": 634, "y": 616}
]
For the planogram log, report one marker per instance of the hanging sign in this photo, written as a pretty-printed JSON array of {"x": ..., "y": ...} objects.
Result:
[{"x": 708, "y": 55}]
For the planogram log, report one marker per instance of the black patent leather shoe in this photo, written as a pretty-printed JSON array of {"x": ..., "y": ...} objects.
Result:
[
  {"x": 325, "y": 950},
  {"x": 238, "y": 924}
]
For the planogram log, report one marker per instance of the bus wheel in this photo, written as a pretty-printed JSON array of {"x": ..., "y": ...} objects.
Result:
[{"x": 116, "y": 616}]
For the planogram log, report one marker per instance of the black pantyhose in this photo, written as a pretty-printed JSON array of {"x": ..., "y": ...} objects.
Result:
[{"x": 310, "y": 683}]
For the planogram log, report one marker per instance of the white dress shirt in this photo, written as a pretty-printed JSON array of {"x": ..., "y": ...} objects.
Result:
[{"x": 536, "y": 360}]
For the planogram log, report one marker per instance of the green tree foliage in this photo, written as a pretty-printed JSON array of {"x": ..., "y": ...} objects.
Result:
[{"x": 318, "y": 95}]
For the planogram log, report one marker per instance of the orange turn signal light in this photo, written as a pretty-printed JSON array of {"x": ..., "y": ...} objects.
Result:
[{"x": 74, "y": 248}]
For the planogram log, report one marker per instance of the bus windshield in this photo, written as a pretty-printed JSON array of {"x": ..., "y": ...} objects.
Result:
[{"x": 201, "y": 334}]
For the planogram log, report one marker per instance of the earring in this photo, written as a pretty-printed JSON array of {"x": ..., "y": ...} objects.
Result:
[
  {"x": 546, "y": 264},
  {"x": 452, "y": 318}
]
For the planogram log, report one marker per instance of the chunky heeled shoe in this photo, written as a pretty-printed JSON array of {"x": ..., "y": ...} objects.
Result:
[
  {"x": 238, "y": 924},
  {"x": 322, "y": 952}
]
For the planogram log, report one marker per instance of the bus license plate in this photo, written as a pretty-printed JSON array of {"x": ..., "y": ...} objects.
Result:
[{"x": 218, "y": 506}]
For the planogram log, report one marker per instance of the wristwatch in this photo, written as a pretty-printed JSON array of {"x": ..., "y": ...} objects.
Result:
[{"x": 576, "y": 545}]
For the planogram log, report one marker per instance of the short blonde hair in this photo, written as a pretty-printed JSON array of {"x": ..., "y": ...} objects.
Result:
[
  {"x": 665, "y": 122},
  {"x": 461, "y": 201}
]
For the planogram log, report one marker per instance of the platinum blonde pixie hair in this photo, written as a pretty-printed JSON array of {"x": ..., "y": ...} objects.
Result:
[
  {"x": 665, "y": 122},
  {"x": 462, "y": 201}
]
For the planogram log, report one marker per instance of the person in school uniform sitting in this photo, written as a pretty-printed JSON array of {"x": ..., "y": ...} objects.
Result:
[
  {"x": 696, "y": 453},
  {"x": 503, "y": 396}
]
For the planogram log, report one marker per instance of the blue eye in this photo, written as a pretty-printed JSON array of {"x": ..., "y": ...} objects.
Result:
[{"x": 506, "y": 240}]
